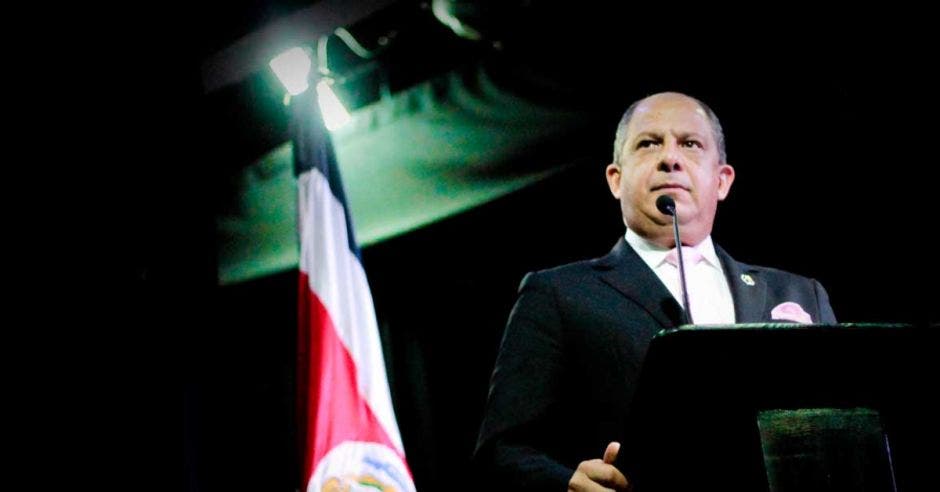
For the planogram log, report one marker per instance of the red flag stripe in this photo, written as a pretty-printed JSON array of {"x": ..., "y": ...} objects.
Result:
[{"x": 333, "y": 393}]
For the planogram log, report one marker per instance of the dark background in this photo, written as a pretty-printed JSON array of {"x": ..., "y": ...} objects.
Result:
[{"x": 830, "y": 121}]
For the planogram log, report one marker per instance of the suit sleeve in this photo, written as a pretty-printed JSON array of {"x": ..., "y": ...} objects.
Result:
[
  {"x": 514, "y": 447},
  {"x": 826, "y": 315}
]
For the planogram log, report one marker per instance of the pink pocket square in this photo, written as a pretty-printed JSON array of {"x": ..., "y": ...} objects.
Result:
[{"x": 791, "y": 311}]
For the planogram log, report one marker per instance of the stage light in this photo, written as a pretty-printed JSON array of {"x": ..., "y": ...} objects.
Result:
[
  {"x": 333, "y": 111},
  {"x": 292, "y": 68}
]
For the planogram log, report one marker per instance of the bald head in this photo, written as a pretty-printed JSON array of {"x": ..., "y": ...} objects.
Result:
[{"x": 621, "y": 135}]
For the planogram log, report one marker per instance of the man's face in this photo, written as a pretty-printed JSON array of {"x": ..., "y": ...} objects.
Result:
[{"x": 670, "y": 149}]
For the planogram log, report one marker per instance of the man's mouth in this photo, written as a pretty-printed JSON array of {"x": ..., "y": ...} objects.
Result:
[{"x": 669, "y": 186}]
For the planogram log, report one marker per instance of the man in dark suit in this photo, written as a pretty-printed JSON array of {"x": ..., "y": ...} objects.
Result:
[{"x": 578, "y": 334}]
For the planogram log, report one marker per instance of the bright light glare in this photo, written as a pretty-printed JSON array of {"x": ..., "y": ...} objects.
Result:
[
  {"x": 292, "y": 68},
  {"x": 334, "y": 114}
]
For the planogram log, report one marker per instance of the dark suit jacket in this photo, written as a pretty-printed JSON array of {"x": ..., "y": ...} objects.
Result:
[{"x": 571, "y": 354}]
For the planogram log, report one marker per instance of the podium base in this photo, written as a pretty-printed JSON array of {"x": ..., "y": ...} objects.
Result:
[{"x": 825, "y": 449}]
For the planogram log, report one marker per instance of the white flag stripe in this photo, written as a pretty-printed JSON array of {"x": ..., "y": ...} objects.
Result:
[{"x": 343, "y": 289}]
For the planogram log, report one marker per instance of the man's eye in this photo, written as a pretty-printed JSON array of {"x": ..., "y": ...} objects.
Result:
[
  {"x": 642, "y": 144},
  {"x": 692, "y": 144}
]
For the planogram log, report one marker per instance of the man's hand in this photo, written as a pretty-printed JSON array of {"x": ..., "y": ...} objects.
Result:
[{"x": 596, "y": 475}]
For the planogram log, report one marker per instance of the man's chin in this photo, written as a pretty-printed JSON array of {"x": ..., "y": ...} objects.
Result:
[{"x": 655, "y": 229}]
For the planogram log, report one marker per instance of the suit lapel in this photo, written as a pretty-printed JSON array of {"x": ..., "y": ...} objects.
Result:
[
  {"x": 626, "y": 272},
  {"x": 748, "y": 289}
]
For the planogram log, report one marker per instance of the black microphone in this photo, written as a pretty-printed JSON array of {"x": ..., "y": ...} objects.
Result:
[{"x": 667, "y": 206}]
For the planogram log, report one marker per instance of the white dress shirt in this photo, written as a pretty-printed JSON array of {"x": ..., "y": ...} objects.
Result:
[{"x": 709, "y": 293}]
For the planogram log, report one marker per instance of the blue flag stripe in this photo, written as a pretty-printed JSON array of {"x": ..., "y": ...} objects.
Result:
[{"x": 313, "y": 150}]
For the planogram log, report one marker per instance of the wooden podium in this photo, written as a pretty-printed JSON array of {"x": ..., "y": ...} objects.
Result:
[{"x": 785, "y": 407}]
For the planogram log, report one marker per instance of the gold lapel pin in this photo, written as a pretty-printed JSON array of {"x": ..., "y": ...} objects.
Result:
[{"x": 747, "y": 279}]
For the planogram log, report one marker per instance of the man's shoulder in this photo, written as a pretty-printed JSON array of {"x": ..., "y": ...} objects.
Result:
[
  {"x": 772, "y": 275},
  {"x": 562, "y": 272},
  {"x": 569, "y": 274}
]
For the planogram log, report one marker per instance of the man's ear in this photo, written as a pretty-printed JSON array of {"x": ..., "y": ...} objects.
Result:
[
  {"x": 614, "y": 176},
  {"x": 725, "y": 178}
]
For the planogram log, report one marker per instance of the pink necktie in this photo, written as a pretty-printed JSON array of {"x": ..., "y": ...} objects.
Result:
[{"x": 691, "y": 256}]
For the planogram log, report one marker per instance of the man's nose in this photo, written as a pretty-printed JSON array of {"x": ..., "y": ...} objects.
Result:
[{"x": 671, "y": 159}]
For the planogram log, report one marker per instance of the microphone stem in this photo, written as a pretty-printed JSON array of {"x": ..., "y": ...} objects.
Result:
[{"x": 685, "y": 290}]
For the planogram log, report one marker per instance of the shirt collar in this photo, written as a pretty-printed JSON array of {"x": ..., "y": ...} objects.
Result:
[{"x": 654, "y": 255}]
